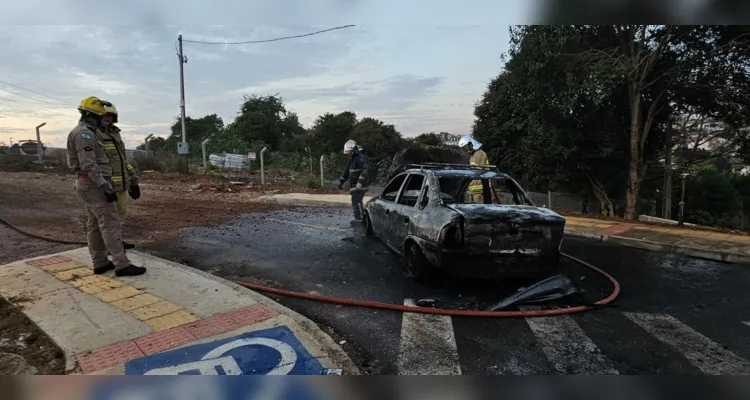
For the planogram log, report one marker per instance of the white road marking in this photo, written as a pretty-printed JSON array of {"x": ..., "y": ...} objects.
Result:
[
  {"x": 568, "y": 348},
  {"x": 428, "y": 345},
  {"x": 702, "y": 352},
  {"x": 746, "y": 323}
]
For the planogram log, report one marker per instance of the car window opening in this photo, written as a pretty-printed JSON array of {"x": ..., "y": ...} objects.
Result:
[
  {"x": 458, "y": 190},
  {"x": 391, "y": 191},
  {"x": 412, "y": 189}
]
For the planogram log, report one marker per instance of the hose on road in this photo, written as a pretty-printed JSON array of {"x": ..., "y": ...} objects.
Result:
[
  {"x": 398, "y": 307},
  {"x": 448, "y": 312}
]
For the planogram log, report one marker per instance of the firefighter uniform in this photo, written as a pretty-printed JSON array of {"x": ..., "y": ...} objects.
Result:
[
  {"x": 357, "y": 172},
  {"x": 123, "y": 174},
  {"x": 88, "y": 159},
  {"x": 476, "y": 191}
]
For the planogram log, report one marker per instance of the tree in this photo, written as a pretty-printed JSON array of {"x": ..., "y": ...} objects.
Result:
[
  {"x": 711, "y": 199},
  {"x": 379, "y": 141},
  {"x": 666, "y": 68},
  {"x": 547, "y": 120},
  {"x": 330, "y": 131},
  {"x": 429, "y": 139},
  {"x": 265, "y": 119},
  {"x": 196, "y": 131}
]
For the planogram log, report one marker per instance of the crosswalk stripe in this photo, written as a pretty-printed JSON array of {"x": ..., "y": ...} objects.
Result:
[
  {"x": 702, "y": 352},
  {"x": 568, "y": 347},
  {"x": 428, "y": 345}
]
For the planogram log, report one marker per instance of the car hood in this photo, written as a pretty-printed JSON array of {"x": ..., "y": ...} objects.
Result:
[{"x": 502, "y": 212}]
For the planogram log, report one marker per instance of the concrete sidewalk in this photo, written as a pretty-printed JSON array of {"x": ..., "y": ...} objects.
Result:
[
  {"x": 701, "y": 244},
  {"x": 174, "y": 319}
]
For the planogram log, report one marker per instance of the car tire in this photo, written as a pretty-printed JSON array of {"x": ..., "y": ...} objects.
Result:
[
  {"x": 367, "y": 225},
  {"x": 416, "y": 264}
]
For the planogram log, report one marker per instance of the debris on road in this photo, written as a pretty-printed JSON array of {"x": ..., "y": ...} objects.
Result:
[
  {"x": 552, "y": 288},
  {"x": 426, "y": 302}
]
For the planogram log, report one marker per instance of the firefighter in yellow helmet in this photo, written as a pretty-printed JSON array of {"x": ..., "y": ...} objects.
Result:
[
  {"x": 478, "y": 157},
  {"x": 88, "y": 160},
  {"x": 124, "y": 177}
]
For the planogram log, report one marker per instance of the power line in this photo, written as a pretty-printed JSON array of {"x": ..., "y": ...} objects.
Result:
[
  {"x": 35, "y": 92},
  {"x": 272, "y": 40},
  {"x": 52, "y": 104},
  {"x": 41, "y": 101}
]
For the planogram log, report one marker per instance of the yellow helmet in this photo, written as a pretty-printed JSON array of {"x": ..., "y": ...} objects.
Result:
[
  {"x": 92, "y": 105},
  {"x": 110, "y": 109}
]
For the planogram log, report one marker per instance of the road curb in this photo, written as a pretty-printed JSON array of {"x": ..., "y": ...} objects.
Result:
[
  {"x": 338, "y": 355},
  {"x": 650, "y": 245}
]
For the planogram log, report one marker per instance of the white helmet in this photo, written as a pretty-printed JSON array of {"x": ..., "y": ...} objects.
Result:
[
  {"x": 350, "y": 146},
  {"x": 468, "y": 140}
]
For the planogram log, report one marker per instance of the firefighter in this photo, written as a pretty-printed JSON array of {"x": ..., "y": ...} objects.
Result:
[
  {"x": 358, "y": 173},
  {"x": 124, "y": 177},
  {"x": 88, "y": 160},
  {"x": 478, "y": 157}
]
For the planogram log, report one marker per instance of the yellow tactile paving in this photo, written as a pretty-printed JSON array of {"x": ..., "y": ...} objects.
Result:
[
  {"x": 72, "y": 274},
  {"x": 93, "y": 279},
  {"x": 63, "y": 266},
  {"x": 155, "y": 310},
  {"x": 118, "y": 294},
  {"x": 175, "y": 319},
  {"x": 131, "y": 303},
  {"x": 100, "y": 287}
]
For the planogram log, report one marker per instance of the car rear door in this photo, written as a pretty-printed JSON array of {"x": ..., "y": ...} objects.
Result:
[
  {"x": 406, "y": 209},
  {"x": 384, "y": 205}
]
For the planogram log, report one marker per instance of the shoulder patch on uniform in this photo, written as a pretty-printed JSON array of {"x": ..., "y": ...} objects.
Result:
[
  {"x": 86, "y": 136},
  {"x": 88, "y": 148}
]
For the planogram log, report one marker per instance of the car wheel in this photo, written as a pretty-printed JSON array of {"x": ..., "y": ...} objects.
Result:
[
  {"x": 367, "y": 225},
  {"x": 416, "y": 264}
]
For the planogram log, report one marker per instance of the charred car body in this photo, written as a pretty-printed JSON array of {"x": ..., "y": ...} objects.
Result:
[{"x": 422, "y": 215}]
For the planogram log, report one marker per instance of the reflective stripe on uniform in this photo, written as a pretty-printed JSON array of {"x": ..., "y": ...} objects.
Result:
[
  {"x": 116, "y": 179},
  {"x": 130, "y": 168},
  {"x": 476, "y": 186}
]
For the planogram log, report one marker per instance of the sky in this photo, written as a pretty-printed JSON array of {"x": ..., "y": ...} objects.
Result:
[{"x": 419, "y": 65}]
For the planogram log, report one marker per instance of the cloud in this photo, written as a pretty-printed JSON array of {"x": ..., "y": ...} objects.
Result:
[{"x": 417, "y": 73}]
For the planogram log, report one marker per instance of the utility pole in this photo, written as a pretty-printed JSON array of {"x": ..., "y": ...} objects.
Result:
[
  {"x": 667, "y": 206},
  {"x": 182, "y": 148}
]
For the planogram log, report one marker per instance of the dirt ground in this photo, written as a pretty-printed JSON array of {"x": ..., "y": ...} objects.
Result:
[
  {"x": 18, "y": 335},
  {"x": 46, "y": 204}
]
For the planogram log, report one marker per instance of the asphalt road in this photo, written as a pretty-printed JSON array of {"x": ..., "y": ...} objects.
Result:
[{"x": 675, "y": 315}]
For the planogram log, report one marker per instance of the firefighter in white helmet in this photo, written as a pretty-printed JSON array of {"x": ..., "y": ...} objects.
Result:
[
  {"x": 478, "y": 157},
  {"x": 357, "y": 172}
]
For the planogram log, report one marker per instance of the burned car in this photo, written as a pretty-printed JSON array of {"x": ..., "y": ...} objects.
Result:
[{"x": 424, "y": 215}]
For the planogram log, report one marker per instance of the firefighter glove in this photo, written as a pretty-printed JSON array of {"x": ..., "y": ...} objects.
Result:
[
  {"x": 134, "y": 191},
  {"x": 109, "y": 192}
]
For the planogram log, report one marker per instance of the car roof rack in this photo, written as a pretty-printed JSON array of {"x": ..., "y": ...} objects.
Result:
[{"x": 451, "y": 166}]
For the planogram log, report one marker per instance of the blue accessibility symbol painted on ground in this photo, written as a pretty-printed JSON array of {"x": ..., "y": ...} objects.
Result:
[{"x": 274, "y": 351}]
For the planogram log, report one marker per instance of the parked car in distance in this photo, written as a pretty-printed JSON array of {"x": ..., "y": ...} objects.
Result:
[{"x": 424, "y": 215}]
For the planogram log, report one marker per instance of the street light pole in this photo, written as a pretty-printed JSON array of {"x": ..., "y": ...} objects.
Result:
[
  {"x": 682, "y": 202},
  {"x": 39, "y": 149}
]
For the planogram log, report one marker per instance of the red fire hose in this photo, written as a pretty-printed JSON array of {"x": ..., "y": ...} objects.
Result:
[{"x": 399, "y": 307}]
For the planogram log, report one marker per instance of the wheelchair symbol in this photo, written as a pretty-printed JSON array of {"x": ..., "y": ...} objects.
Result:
[{"x": 215, "y": 360}]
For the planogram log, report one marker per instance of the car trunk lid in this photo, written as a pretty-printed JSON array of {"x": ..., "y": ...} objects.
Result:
[{"x": 510, "y": 229}]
